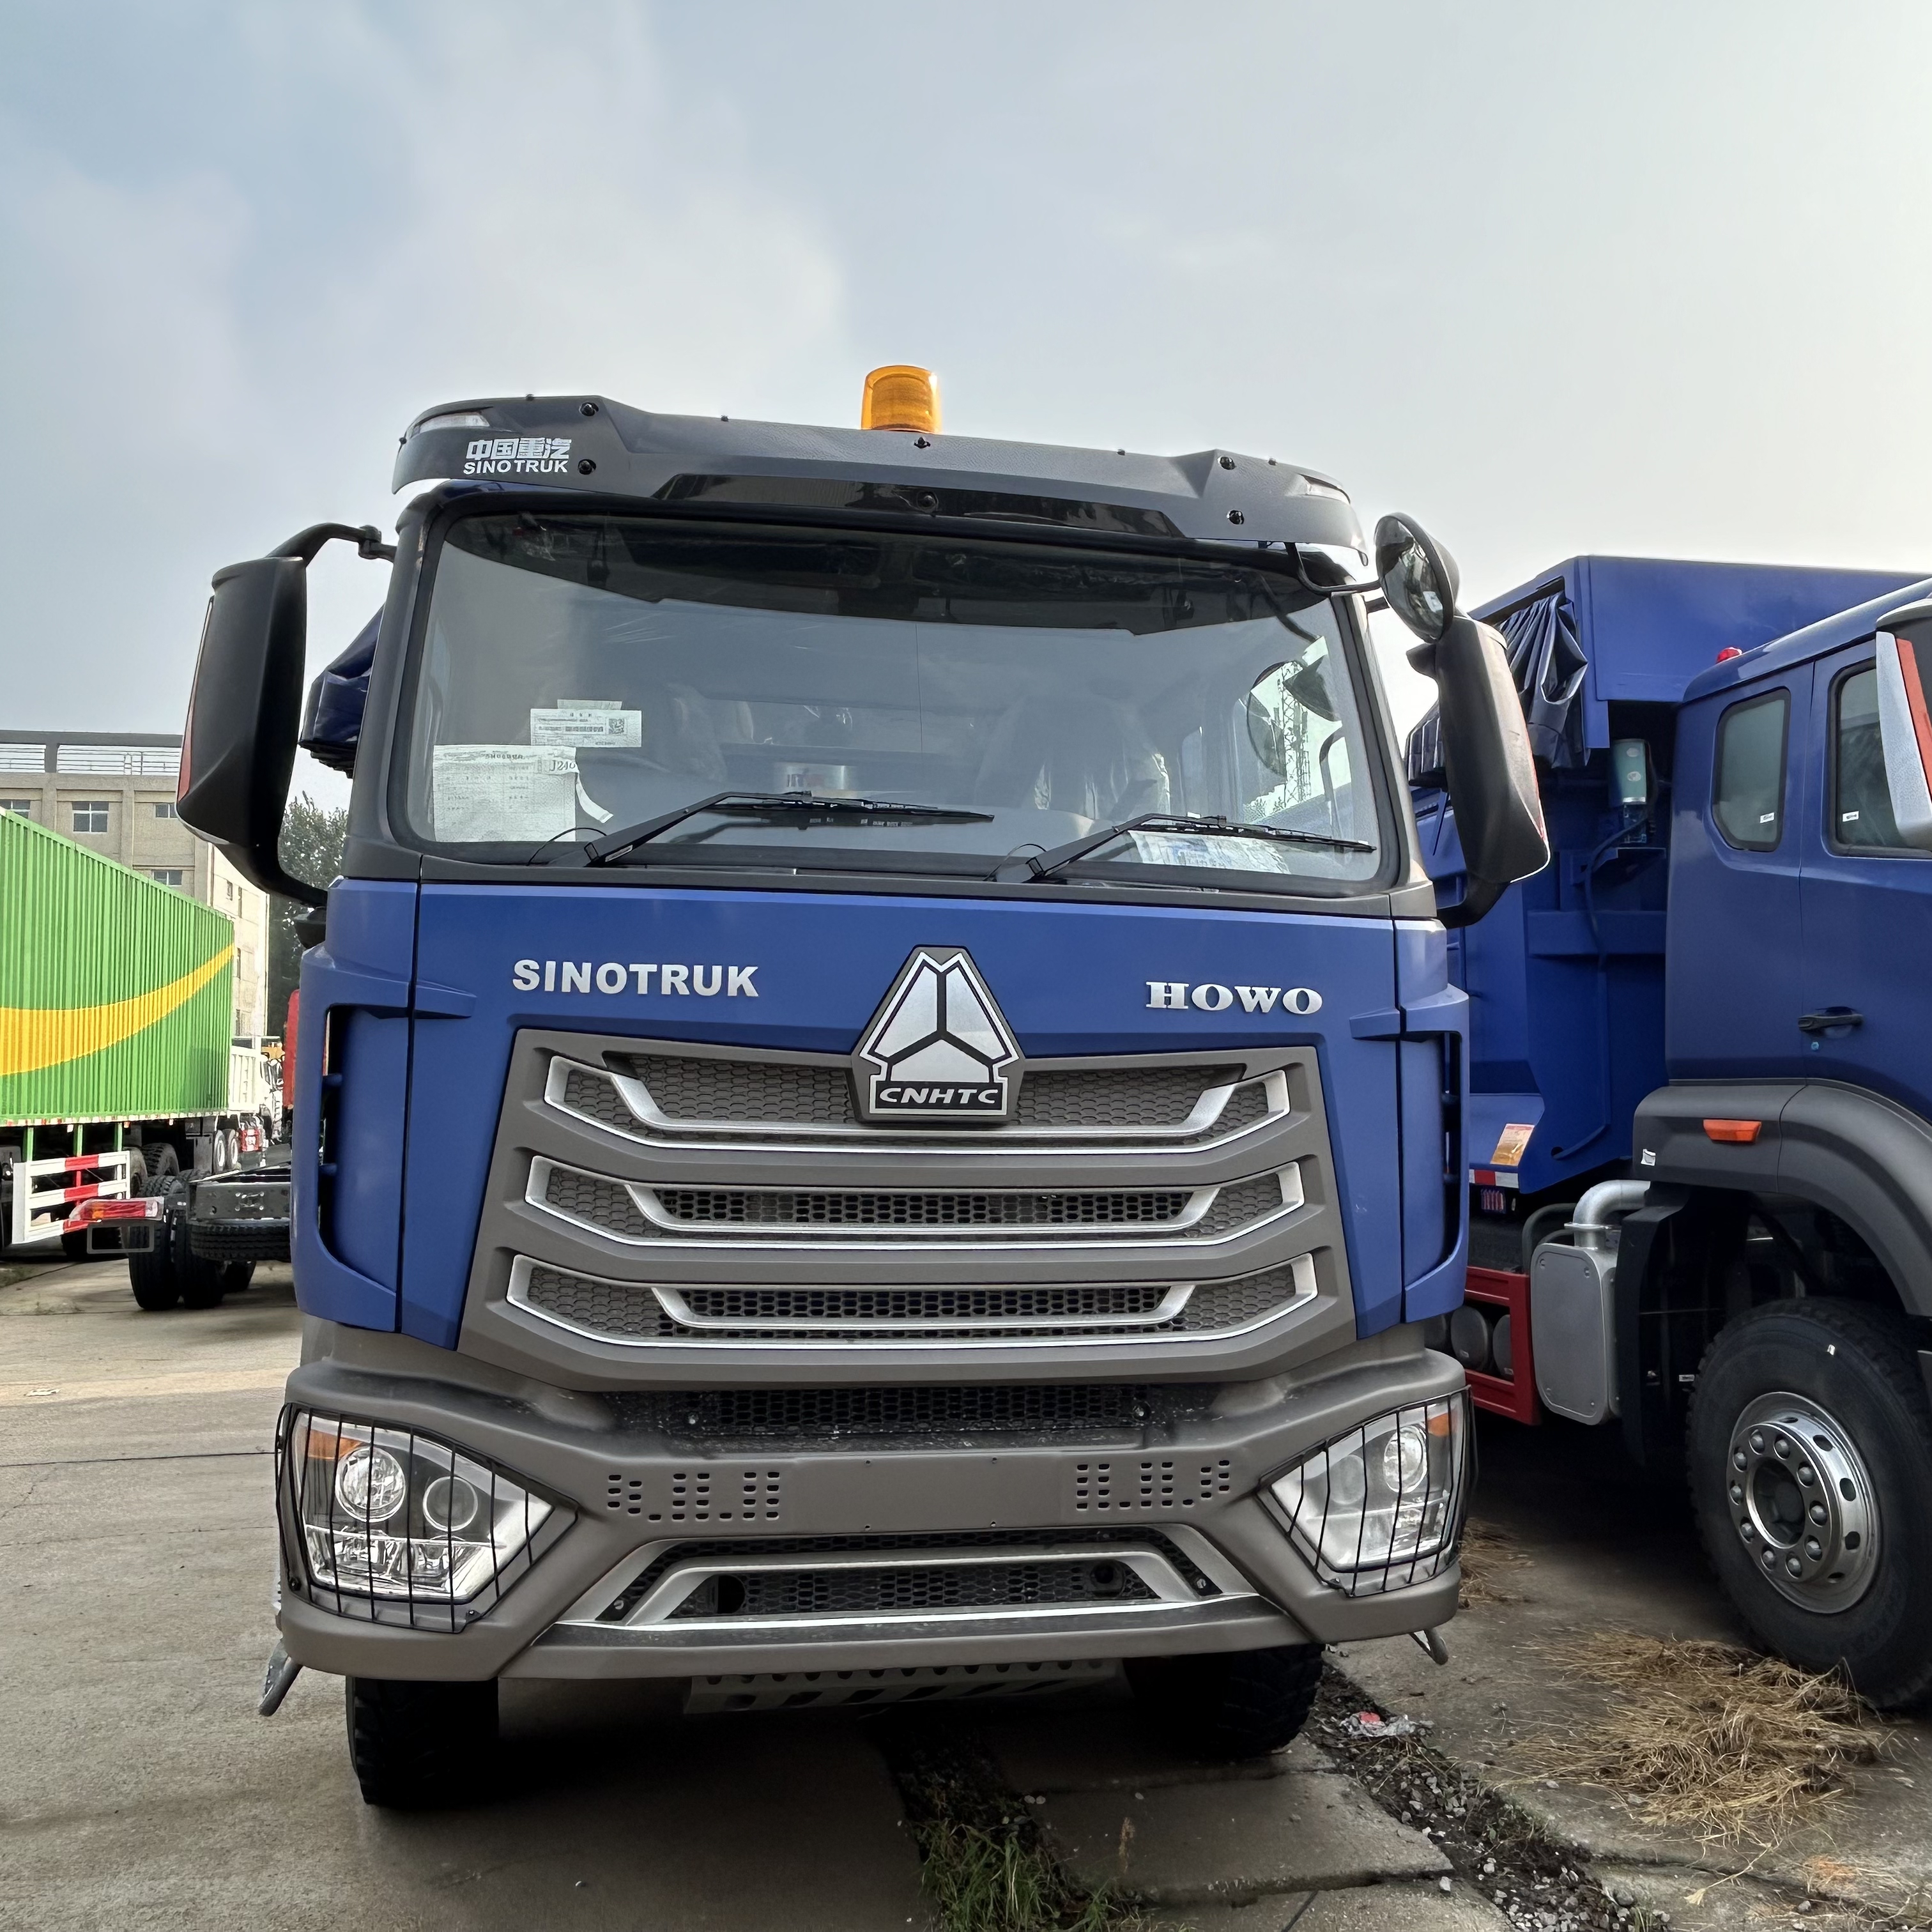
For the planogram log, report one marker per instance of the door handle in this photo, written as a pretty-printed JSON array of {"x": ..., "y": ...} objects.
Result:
[{"x": 1831, "y": 1021}]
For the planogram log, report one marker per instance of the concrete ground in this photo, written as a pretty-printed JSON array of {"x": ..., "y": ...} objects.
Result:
[{"x": 138, "y": 1789}]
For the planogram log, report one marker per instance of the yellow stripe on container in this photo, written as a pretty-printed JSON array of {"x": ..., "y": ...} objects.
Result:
[{"x": 31, "y": 1037}]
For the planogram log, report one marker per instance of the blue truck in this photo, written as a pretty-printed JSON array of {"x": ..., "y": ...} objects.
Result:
[
  {"x": 878, "y": 1099},
  {"x": 1700, "y": 1122}
]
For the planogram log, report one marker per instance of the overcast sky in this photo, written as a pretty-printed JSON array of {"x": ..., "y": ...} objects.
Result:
[{"x": 1647, "y": 279}]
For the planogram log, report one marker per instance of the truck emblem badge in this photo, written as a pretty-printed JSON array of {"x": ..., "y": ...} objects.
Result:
[
  {"x": 938, "y": 1049},
  {"x": 517, "y": 456}
]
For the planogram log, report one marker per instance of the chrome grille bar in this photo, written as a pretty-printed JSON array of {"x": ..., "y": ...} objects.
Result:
[
  {"x": 807, "y": 1104},
  {"x": 640, "y": 1213},
  {"x": 636, "y": 1314}
]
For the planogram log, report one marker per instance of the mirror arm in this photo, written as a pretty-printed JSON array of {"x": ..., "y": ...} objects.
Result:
[
  {"x": 1479, "y": 897},
  {"x": 306, "y": 545},
  {"x": 1345, "y": 588}
]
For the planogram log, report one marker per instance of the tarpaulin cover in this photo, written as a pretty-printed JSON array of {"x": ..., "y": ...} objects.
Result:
[{"x": 1547, "y": 661}]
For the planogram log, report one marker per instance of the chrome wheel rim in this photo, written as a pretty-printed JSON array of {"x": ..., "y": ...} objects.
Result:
[{"x": 1801, "y": 1503}]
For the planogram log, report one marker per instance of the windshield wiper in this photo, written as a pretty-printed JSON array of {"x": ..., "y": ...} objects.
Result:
[
  {"x": 1167, "y": 821},
  {"x": 803, "y": 805}
]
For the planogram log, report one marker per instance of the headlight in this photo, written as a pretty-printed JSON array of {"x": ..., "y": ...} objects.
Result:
[
  {"x": 1381, "y": 1507},
  {"x": 401, "y": 1527}
]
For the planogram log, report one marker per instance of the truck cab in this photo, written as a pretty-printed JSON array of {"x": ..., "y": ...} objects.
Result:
[
  {"x": 1702, "y": 1169},
  {"x": 876, "y": 1104}
]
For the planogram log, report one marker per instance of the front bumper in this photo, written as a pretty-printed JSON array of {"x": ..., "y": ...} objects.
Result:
[{"x": 1177, "y": 1496}]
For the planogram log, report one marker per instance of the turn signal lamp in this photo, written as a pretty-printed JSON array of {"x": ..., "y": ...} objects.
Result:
[
  {"x": 1738, "y": 1133},
  {"x": 901, "y": 396}
]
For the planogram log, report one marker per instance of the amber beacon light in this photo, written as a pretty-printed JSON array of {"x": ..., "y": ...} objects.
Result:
[{"x": 901, "y": 396}]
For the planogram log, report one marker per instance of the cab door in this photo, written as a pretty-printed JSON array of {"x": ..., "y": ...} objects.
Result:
[
  {"x": 1734, "y": 974},
  {"x": 1865, "y": 1014}
]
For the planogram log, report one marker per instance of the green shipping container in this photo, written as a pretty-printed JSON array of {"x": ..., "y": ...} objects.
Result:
[{"x": 115, "y": 993}]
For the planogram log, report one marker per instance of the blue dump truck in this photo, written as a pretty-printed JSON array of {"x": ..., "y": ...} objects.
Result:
[
  {"x": 878, "y": 1102},
  {"x": 1700, "y": 1125}
]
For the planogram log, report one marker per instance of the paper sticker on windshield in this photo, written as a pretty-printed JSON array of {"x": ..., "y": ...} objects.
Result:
[
  {"x": 592, "y": 724},
  {"x": 486, "y": 793},
  {"x": 1203, "y": 848},
  {"x": 1512, "y": 1143}
]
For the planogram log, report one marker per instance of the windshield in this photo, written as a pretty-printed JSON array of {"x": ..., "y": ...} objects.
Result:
[{"x": 581, "y": 674}]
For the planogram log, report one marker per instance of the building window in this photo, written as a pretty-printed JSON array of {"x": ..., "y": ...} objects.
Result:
[
  {"x": 90, "y": 814},
  {"x": 166, "y": 875},
  {"x": 228, "y": 891},
  {"x": 21, "y": 808},
  {"x": 164, "y": 808}
]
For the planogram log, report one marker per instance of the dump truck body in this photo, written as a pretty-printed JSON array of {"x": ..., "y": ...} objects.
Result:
[{"x": 1701, "y": 1130}]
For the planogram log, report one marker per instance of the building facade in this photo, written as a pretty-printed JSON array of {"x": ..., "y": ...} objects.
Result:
[{"x": 114, "y": 793}]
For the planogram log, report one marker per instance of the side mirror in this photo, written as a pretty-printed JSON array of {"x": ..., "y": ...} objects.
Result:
[
  {"x": 1486, "y": 757},
  {"x": 1419, "y": 580},
  {"x": 1905, "y": 719},
  {"x": 238, "y": 746}
]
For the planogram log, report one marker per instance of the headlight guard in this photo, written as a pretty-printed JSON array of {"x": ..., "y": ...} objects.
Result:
[
  {"x": 398, "y": 1527},
  {"x": 1381, "y": 1506}
]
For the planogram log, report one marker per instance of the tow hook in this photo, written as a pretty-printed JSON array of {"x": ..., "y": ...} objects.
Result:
[
  {"x": 1430, "y": 1641},
  {"x": 276, "y": 1680}
]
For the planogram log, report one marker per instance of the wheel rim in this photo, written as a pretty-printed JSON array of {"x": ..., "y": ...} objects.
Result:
[{"x": 1801, "y": 1502}]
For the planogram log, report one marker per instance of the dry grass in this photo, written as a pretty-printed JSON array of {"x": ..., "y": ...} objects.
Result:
[
  {"x": 1704, "y": 1738},
  {"x": 1488, "y": 1557}
]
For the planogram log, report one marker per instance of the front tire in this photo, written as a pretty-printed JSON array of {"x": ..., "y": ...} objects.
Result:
[
  {"x": 1809, "y": 1454},
  {"x": 1229, "y": 1704},
  {"x": 419, "y": 1747}
]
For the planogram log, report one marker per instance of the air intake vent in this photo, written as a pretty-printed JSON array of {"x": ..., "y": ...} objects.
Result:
[
  {"x": 645, "y": 1311},
  {"x": 797, "y": 1414},
  {"x": 895, "y": 1592},
  {"x": 734, "y": 1207},
  {"x": 670, "y": 1097},
  {"x": 637, "y": 1211}
]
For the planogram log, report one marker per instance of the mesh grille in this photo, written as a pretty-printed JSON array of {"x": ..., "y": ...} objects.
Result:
[
  {"x": 889, "y": 1592},
  {"x": 601, "y": 1202},
  {"x": 631, "y": 1311},
  {"x": 960, "y": 1409},
  {"x": 1235, "y": 1207},
  {"x": 723, "y": 1207},
  {"x": 1227, "y": 1304},
  {"x": 1246, "y": 1104},
  {"x": 603, "y": 1308},
  {"x": 746, "y": 1089},
  {"x": 1098, "y": 1540},
  {"x": 925, "y": 1304},
  {"x": 604, "y": 1204},
  {"x": 1118, "y": 1096},
  {"x": 592, "y": 1095},
  {"x": 756, "y": 1094}
]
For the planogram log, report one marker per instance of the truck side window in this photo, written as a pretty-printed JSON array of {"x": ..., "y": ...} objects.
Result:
[
  {"x": 1748, "y": 800},
  {"x": 1860, "y": 799}
]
